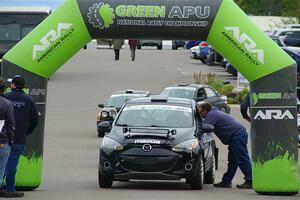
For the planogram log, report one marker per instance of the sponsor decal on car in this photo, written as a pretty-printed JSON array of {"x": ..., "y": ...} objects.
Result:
[
  {"x": 146, "y": 141},
  {"x": 158, "y": 107}
]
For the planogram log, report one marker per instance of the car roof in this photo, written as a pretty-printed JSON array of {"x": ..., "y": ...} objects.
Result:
[
  {"x": 161, "y": 99},
  {"x": 129, "y": 91},
  {"x": 189, "y": 86}
]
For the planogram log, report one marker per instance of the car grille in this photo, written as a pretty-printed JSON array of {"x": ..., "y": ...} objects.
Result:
[{"x": 148, "y": 162}]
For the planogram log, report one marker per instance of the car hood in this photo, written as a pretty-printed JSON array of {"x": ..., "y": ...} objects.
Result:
[{"x": 182, "y": 134}]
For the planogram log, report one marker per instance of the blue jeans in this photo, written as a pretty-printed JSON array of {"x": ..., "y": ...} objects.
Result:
[
  {"x": 238, "y": 156},
  {"x": 4, "y": 153},
  {"x": 12, "y": 164}
]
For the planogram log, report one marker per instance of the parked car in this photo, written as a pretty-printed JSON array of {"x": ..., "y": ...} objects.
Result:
[
  {"x": 198, "y": 93},
  {"x": 104, "y": 42},
  {"x": 295, "y": 55},
  {"x": 293, "y": 39},
  {"x": 194, "y": 52},
  {"x": 204, "y": 51},
  {"x": 177, "y": 43},
  {"x": 190, "y": 44},
  {"x": 231, "y": 69},
  {"x": 150, "y": 43},
  {"x": 296, "y": 26},
  {"x": 284, "y": 32},
  {"x": 158, "y": 138},
  {"x": 114, "y": 103}
]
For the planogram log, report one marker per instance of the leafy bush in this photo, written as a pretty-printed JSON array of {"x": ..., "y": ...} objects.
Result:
[{"x": 234, "y": 97}]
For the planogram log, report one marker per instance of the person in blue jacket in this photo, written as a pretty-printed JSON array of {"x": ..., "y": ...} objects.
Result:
[
  {"x": 233, "y": 134},
  {"x": 26, "y": 116}
]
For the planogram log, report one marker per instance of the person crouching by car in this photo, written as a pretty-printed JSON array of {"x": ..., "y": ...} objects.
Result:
[
  {"x": 7, "y": 128},
  {"x": 26, "y": 116},
  {"x": 233, "y": 134}
]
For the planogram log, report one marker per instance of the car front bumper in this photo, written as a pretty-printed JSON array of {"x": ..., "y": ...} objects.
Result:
[{"x": 161, "y": 167}]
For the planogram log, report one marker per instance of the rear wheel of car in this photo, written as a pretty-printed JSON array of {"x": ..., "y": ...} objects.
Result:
[
  {"x": 197, "y": 178},
  {"x": 209, "y": 177},
  {"x": 159, "y": 47},
  {"x": 104, "y": 180}
]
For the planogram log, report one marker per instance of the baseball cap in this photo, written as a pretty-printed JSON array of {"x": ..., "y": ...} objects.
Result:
[{"x": 18, "y": 80}]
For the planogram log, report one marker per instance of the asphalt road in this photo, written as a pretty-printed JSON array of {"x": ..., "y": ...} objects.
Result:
[{"x": 71, "y": 145}]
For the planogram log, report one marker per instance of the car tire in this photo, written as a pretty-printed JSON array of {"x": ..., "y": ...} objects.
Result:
[
  {"x": 197, "y": 178},
  {"x": 159, "y": 47},
  {"x": 174, "y": 47},
  {"x": 139, "y": 46},
  {"x": 104, "y": 180},
  {"x": 209, "y": 176},
  {"x": 203, "y": 60}
]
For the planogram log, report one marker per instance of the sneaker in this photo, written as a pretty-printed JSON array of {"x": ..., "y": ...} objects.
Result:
[
  {"x": 246, "y": 185},
  {"x": 13, "y": 194},
  {"x": 223, "y": 185}
]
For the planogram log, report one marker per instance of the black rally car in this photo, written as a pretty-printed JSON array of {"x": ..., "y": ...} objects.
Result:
[{"x": 156, "y": 138}]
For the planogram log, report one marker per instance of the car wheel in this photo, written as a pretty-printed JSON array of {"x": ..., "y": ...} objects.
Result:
[
  {"x": 197, "y": 178},
  {"x": 223, "y": 109},
  {"x": 209, "y": 177},
  {"x": 203, "y": 60},
  {"x": 139, "y": 46},
  {"x": 159, "y": 47},
  {"x": 104, "y": 181},
  {"x": 174, "y": 47}
]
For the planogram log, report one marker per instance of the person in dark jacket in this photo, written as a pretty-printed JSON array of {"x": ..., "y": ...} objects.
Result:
[
  {"x": 132, "y": 44},
  {"x": 26, "y": 116},
  {"x": 117, "y": 44},
  {"x": 7, "y": 128},
  {"x": 244, "y": 107},
  {"x": 233, "y": 134}
]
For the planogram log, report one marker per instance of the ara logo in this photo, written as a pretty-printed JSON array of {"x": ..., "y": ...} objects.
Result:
[
  {"x": 273, "y": 114},
  {"x": 247, "y": 41},
  {"x": 50, "y": 37}
]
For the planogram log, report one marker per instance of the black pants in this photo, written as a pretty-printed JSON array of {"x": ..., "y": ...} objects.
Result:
[
  {"x": 117, "y": 54},
  {"x": 132, "y": 50}
]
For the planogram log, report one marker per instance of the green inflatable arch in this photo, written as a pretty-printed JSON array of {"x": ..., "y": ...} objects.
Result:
[{"x": 272, "y": 72}]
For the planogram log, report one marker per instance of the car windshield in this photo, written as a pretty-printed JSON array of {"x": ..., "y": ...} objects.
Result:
[
  {"x": 184, "y": 92},
  {"x": 156, "y": 115},
  {"x": 10, "y": 32},
  {"x": 119, "y": 100}
]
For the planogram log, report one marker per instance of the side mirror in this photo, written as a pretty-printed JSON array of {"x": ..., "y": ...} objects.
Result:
[
  {"x": 101, "y": 105},
  {"x": 104, "y": 127},
  {"x": 207, "y": 128}
]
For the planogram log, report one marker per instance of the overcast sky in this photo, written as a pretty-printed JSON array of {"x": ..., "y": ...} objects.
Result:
[{"x": 49, "y": 3}]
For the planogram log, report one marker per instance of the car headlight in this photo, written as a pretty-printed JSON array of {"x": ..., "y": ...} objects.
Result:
[
  {"x": 109, "y": 145},
  {"x": 104, "y": 114},
  {"x": 187, "y": 146}
]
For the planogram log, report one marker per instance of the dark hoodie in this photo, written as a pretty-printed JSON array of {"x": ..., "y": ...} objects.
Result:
[
  {"x": 26, "y": 114},
  {"x": 6, "y": 115}
]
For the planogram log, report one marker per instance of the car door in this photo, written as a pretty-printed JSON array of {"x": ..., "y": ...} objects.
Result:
[
  {"x": 212, "y": 97},
  {"x": 200, "y": 95}
]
